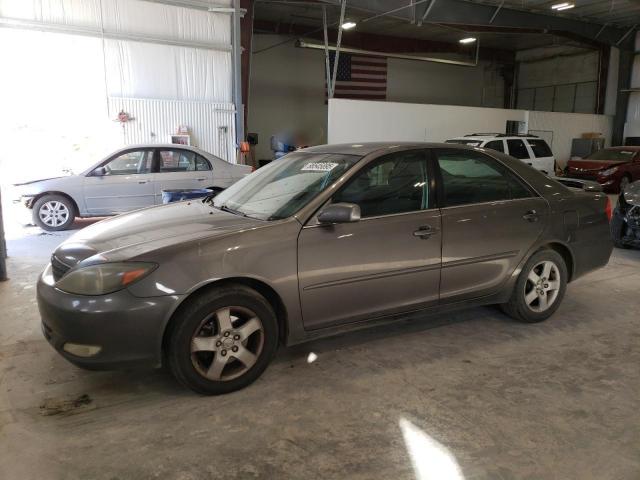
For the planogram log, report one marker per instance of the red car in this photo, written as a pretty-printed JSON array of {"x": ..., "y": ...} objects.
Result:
[{"x": 614, "y": 168}]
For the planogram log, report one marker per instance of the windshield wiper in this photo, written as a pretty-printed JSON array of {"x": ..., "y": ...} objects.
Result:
[{"x": 224, "y": 208}]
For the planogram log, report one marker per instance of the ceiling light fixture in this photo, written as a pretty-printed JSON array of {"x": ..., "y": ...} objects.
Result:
[
  {"x": 348, "y": 25},
  {"x": 562, "y": 6},
  {"x": 467, "y": 40}
]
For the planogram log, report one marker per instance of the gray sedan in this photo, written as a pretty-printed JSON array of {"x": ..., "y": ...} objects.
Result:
[
  {"x": 327, "y": 239},
  {"x": 127, "y": 179}
]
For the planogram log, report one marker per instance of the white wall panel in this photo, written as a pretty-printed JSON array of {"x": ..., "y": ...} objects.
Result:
[
  {"x": 212, "y": 125},
  {"x": 567, "y": 126},
  {"x": 148, "y": 70},
  {"x": 367, "y": 121},
  {"x": 353, "y": 121}
]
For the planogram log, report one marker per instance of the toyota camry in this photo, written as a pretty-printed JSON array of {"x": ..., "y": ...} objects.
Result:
[{"x": 324, "y": 240}]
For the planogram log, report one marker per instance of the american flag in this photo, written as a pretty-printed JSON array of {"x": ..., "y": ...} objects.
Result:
[{"x": 359, "y": 77}]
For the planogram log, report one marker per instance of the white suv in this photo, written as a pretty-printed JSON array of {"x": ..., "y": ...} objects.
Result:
[{"x": 528, "y": 148}]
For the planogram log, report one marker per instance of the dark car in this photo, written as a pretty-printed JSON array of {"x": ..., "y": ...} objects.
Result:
[
  {"x": 324, "y": 240},
  {"x": 614, "y": 168},
  {"x": 625, "y": 224}
]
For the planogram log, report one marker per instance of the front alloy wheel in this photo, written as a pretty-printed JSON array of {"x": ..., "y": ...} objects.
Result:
[
  {"x": 227, "y": 343},
  {"x": 221, "y": 340},
  {"x": 53, "y": 212}
]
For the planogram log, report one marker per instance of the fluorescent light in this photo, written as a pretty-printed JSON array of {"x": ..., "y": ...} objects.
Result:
[
  {"x": 467, "y": 40},
  {"x": 348, "y": 25},
  {"x": 562, "y": 6}
]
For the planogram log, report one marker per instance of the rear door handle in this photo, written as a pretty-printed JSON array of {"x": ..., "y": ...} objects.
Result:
[
  {"x": 424, "y": 232},
  {"x": 142, "y": 182},
  {"x": 531, "y": 216},
  {"x": 201, "y": 179}
]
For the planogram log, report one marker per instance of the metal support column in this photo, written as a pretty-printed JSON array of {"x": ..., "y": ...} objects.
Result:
[
  {"x": 336, "y": 58},
  {"x": 3, "y": 247},
  {"x": 237, "y": 68},
  {"x": 327, "y": 63}
]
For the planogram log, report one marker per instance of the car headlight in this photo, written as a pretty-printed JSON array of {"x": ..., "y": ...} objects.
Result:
[
  {"x": 104, "y": 278},
  {"x": 609, "y": 171}
]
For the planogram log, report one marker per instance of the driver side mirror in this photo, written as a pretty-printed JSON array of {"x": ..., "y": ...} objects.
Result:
[
  {"x": 99, "y": 172},
  {"x": 339, "y": 213}
]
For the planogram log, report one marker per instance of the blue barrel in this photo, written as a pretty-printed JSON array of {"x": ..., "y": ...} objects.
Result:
[{"x": 169, "y": 196}]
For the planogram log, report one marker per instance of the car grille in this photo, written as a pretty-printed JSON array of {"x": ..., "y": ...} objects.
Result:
[
  {"x": 584, "y": 175},
  {"x": 58, "y": 268}
]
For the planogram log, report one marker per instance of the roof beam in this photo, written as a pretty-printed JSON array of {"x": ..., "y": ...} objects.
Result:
[{"x": 479, "y": 14}]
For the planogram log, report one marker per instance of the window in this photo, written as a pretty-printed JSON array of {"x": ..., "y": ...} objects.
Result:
[
  {"x": 496, "y": 145},
  {"x": 182, "y": 161},
  {"x": 280, "y": 189},
  {"x": 540, "y": 148},
  {"x": 130, "y": 163},
  {"x": 396, "y": 183},
  {"x": 202, "y": 164},
  {"x": 469, "y": 177},
  {"x": 517, "y": 149}
]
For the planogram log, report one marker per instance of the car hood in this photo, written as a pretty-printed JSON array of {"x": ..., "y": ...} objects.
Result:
[
  {"x": 37, "y": 181},
  {"x": 133, "y": 234},
  {"x": 593, "y": 165}
]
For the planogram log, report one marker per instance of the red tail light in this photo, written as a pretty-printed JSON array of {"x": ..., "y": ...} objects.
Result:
[{"x": 608, "y": 209}]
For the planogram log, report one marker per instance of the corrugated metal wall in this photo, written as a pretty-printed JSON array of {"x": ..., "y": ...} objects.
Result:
[
  {"x": 212, "y": 125},
  {"x": 168, "y": 65}
]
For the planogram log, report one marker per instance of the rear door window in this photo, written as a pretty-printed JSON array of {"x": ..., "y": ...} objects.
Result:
[
  {"x": 496, "y": 145},
  {"x": 177, "y": 161},
  {"x": 540, "y": 148},
  {"x": 518, "y": 149},
  {"x": 470, "y": 177}
]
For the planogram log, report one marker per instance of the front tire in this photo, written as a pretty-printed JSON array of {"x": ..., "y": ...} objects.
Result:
[
  {"x": 222, "y": 340},
  {"x": 539, "y": 289},
  {"x": 54, "y": 212}
]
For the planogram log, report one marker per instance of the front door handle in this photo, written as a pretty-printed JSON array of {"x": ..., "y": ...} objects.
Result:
[
  {"x": 531, "y": 216},
  {"x": 142, "y": 182},
  {"x": 424, "y": 232},
  {"x": 201, "y": 179}
]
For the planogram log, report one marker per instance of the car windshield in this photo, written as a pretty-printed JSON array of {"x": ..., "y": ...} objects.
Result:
[
  {"x": 612, "y": 154},
  {"x": 284, "y": 186}
]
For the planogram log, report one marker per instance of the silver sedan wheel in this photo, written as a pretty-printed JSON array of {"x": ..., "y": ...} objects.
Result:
[
  {"x": 542, "y": 286},
  {"x": 227, "y": 343},
  {"x": 54, "y": 213}
]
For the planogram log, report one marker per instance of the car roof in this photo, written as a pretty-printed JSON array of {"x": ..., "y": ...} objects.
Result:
[
  {"x": 493, "y": 136},
  {"x": 362, "y": 149},
  {"x": 633, "y": 148}
]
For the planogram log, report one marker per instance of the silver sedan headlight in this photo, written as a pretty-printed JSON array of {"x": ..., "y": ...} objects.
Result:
[{"x": 104, "y": 278}]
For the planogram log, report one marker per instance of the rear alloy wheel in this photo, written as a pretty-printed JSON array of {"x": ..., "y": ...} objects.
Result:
[
  {"x": 222, "y": 340},
  {"x": 53, "y": 213},
  {"x": 539, "y": 288}
]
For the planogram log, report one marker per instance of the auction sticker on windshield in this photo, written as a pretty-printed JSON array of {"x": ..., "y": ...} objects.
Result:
[{"x": 319, "y": 167}]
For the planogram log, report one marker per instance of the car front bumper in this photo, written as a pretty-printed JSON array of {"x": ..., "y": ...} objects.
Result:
[{"x": 118, "y": 329}]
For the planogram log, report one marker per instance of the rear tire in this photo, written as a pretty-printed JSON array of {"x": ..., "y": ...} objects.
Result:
[
  {"x": 54, "y": 212},
  {"x": 539, "y": 289},
  {"x": 222, "y": 340}
]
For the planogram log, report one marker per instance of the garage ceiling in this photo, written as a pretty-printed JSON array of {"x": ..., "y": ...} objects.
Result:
[
  {"x": 611, "y": 12},
  {"x": 500, "y": 24}
]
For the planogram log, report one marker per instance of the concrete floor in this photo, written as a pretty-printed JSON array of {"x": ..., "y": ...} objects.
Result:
[{"x": 468, "y": 396}]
